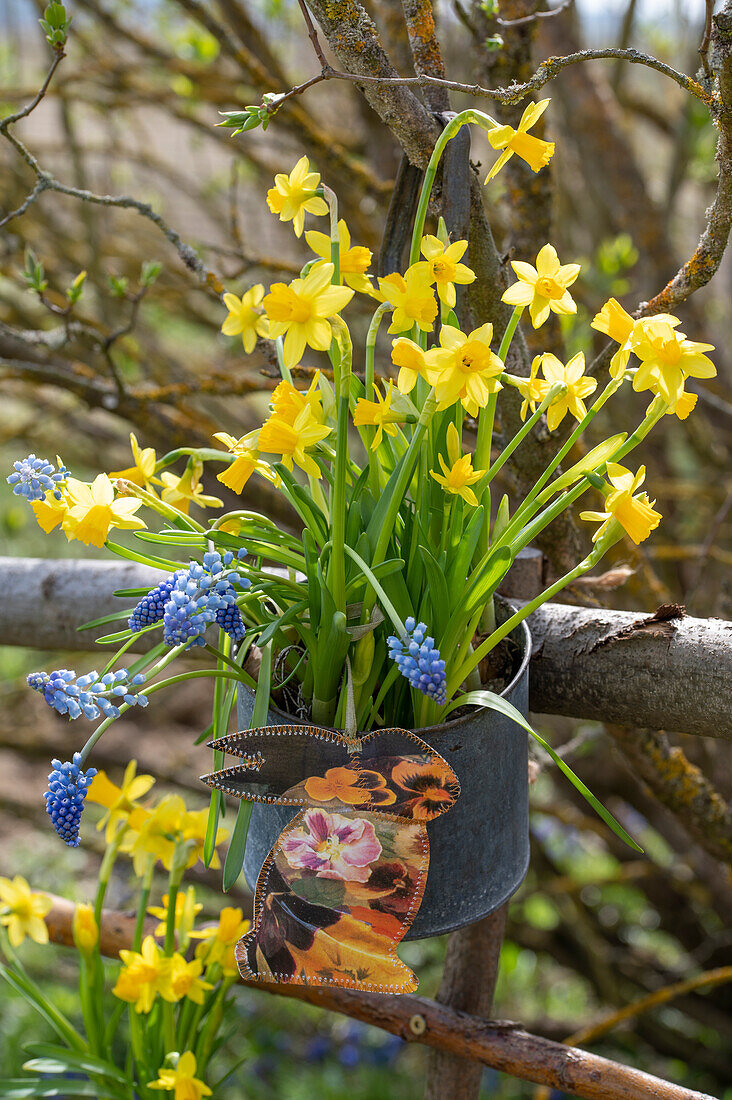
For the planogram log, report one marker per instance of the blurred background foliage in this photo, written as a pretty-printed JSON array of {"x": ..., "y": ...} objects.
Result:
[{"x": 133, "y": 109}]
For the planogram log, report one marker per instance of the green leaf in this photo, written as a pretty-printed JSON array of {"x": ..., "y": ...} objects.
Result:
[
  {"x": 143, "y": 559},
  {"x": 458, "y": 569},
  {"x": 437, "y": 591},
  {"x": 490, "y": 577},
  {"x": 115, "y": 617},
  {"x": 33, "y": 995},
  {"x": 492, "y": 701},
  {"x": 89, "y": 1063},
  {"x": 20, "y": 1088}
]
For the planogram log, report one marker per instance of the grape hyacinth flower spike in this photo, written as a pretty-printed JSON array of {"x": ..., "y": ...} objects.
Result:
[
  {"x": 89, "y": 695},
  {"x": 67, "y": 790},
  {"x": 34, "y": 477},
  {"x": 419, "y": 661}
]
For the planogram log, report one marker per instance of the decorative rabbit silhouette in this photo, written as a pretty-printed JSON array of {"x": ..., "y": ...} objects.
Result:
[{"x": 345, "y": 878}]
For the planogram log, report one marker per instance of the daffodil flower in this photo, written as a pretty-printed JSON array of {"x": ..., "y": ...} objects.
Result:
[
  {"x": 577, "y": 383},
  {"x": 354, "y": 260},
  {"x": 292, "y": 441},
  {"x": 119, "y": 802},
  {"x": 182, "y": 1080},
  {"x": 50, "y": 512},
  {"x": 287, "y": 401},
  {"x": 536, "y": 152},
  {"x": 464, "y": 368},
  {"x": 218, "y": 941},
  {"x": 186, "y": 911},
  {"x": 377, "y": 413},
  {"x": 615, "y": 322},
  {"x": 154, "y": 834},
  {"x": 443, "y": 268},
  {"x": 410, "y": 358},
  {"x": 138, "y": 982},
  {"x": 543, "y": 288},
  {"x": 143, "y": 471},
  {"x": 94, "y": 510},
  {"x": 533, "y": 389},
  {"x": 22, "y": 911},
  {"x": 667, "y": 358},
  {"x": 84, "y": 928},
  {"x": 181, "y": 492},
  {"x": 246, "y": 461},
  {"x": 635, "y": 514},
  {"x": 181, "y": 979},
  {"x": 457, "y": 477},
  {"x": 245, "y": 318},
  {"x": 300, "y": 311},
  {"x": 293, "y": 196},
  {"x": 412, "y": 299}
]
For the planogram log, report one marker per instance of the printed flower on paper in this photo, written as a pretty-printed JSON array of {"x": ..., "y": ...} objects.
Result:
[
  {"x": 354, "y": 261},
  {"x": 667, "y": 358},
  {"x": 22, "y": 911},
  {"x": 182, "y": 1079},
  {"x": 94, "y": 510},
  {"x": 143, "y": 471},
  {"x": 119, "y": 802},
  {"x": 459, "y": 475},
  {"x": 443, "y": 267},
  {"x": 333, "y": 846},
  {"x": 354, "y": 787},
  {"x": 536, "y": 152},
  {"x": 411, "y": 361},
  {"x": 245, "y": 318},
  {"x": 464, "y": 368},
  {"x": 293, "y": 196},
  {"x": 431, "y": 787},
  {"x": 293, "y": 441},
  {"x": 412, "y": 297},
  {"x": 543, "y": 288},
  {"x": 379, "y": 414},
  {"x": 300, "y": 312},
  {"x": 635, "y": 514}
]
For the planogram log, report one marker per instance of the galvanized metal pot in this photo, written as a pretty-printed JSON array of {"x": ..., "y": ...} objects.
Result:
[{"x": 479, "y": 852}]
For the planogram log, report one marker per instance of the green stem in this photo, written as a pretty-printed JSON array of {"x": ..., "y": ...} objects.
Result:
[
  {"x": 335, "y": 243},
  {"x": 555, "y": 391},
  {"x": 142, "y": 904},
  {"x": 105, "y": 872},
  {"x": 337, "y": 571}
]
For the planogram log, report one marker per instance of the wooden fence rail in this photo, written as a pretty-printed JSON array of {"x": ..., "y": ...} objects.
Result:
[{"x": 666, "y": 671}]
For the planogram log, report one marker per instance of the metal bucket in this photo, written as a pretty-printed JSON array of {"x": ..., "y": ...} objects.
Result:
[{"x": 479, "y": 852}]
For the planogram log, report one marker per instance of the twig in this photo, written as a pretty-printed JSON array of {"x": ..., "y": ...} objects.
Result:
[
  {"x": 37, "y": 191},
  {"x": 706, "y": 36},
  {"x": 534, "y": 15},
  {"x": 58, "y": 57},
  {"x": 313, "y": 36}
]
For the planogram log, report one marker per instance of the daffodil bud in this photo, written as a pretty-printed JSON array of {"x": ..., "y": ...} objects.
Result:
[{"x": 85, "y": 929}]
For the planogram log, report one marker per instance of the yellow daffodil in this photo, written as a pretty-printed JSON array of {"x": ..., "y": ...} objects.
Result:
[
  {"x": 50, "y": 512},
  {"x": 635, "y": 514},
  {"x": 300, "y": 311},
  {"x": 287, "y": 401},
  {"x": 459, "y": 475},
  {"x": 182, "y": 1080},
  {"x": 533, "y": 389},
  {"x": 94, "y": 510},
  {"x": 615, "y": 322},
  {"x": 544, "y": 287},
  {"x": 667, "y": 358},
  {"x": 219, "y": 941},
  {"x": 536, "y": 152},
  {"x": 410, "y": 358},
  {"x": 354, "y": 260},
  {"x": 182, "y": 979},
  {"x": 22, "y": 911},
  {"x": 186, "y": 911},
  {"x": 443, "y": 267},
  {"x": 244, "y": 318},
  {"x": 412, "y": 297},
  {"x": 292, "y": 441},
  {"x": 577, "y": 383},
  {"x": 154, "y": 833},
  {"x": 683, "y": 406},
  {"x": 464, "y": 368},
  {"x": 293, "y": 196},
  {"x": 181, "y": 492},
  {"x": 141, "y": 975},
  {"x": 84, "y": 927},
  {"x": 118, "y": 801},
  {"x": 143, "y": 471},
  {"x": 194, "y": 826},
  {"x": 379, "y": 414},
  {"x": 246, "y": 461}
]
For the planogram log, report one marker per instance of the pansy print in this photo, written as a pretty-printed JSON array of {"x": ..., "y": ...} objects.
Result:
[{"x": 345, "y": 879}]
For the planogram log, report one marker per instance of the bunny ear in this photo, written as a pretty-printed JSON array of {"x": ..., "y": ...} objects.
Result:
[{"x": 275, "y": 759}]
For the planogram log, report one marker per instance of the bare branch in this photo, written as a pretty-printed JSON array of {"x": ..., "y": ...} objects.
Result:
[
  {"x": 534, "y": 16},
  {"x": 58, "y": 57}
]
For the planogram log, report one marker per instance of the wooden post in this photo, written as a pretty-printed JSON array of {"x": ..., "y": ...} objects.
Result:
[{"x": 473, "y": 953}]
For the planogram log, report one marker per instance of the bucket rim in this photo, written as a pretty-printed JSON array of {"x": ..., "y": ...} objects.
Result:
[{"x": 455, "y": 723}]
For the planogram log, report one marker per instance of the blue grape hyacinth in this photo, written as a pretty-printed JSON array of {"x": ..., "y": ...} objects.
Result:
[
  {"x": 67, "y": 788},
  {"x": 90, "y": 695},
  {"x": 201, "y": 595},
  {"x": 34, "y": 477},
  {"x": 419, "y": 661},
  {"x": 151, "y": 608}
]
